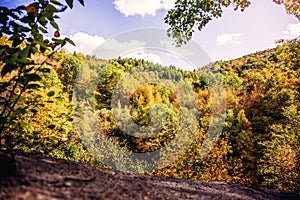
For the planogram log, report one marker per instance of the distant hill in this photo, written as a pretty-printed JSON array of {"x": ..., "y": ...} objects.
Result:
[{"x": 256, "y": 108}]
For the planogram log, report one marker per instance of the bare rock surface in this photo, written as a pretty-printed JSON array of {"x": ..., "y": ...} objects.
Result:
[{"x": 33, "y": 176}]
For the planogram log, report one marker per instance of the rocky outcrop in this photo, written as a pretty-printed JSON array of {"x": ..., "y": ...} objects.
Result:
[{"x": 32, "y": 176}]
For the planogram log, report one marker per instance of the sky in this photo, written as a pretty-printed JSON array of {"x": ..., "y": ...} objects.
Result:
[{"x": 233, "y": 35}]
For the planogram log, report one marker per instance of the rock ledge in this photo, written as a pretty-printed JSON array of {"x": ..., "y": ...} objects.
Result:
[{"x": 24, "y": 176}]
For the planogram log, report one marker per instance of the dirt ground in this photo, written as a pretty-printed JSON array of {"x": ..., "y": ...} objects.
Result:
[{"x": 32, "y": 177}]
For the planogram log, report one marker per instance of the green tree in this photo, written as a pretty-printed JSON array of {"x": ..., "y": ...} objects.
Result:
[
  {"x": 188, "y": 14},
  {"x": 24, "y": 52},
  {"x": 279, "y": 165}
]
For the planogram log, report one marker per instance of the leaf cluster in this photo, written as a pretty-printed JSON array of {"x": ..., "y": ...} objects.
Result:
[{"x": 190, "y": 14}]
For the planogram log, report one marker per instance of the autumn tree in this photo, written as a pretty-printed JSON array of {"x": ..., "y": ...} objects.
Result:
[{"x": 26, "y": 75}]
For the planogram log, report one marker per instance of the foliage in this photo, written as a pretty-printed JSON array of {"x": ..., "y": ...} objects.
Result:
[
  {"x": 291, "y": 6},
  {"x": 259, "y": 133},
  {"x": 259, "y": 143},
  {"x": 262, "y": 96},
  {"x": 279, "y": 165},
  {"x": 142, "y": 102},
  {"x": 29, "y": 86},
  {"x": 67, "y": 68},
  {"x": 189, "y": 14}
]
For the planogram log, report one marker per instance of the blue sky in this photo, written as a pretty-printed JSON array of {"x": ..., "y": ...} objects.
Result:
[{"x": 231, "y": 36}]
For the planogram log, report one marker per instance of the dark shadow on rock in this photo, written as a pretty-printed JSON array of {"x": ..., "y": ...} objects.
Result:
[{"x": 7, "y": 165}]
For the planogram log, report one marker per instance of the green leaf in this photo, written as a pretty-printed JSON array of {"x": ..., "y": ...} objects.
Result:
[
  {"x": 70, "y": 3},
  {"x": 24, "y": 29},
  {"x": 44, "y": 70},
  {"x": 8, "y": 68},
  {"x": 59, "y": 99},
  {"x": 22, "y": 123},
  {"x": 33, "y": 86},
  {"x": 70, "y": 41},
  {"x": 28, "y": 70},
  {"x": 81, "y": 2},
  {"x": 50, "y": 94},
  {"x": 24, "y": 54},
  {"x": 51, "y": 8},
  {"x": 97, "y": 93},
  {"x": 32, "y": 77},
  {"x": 42, "y": 44},
  {"x": 20, "y": 110},
  {"x": 43, "y": 30},
  {"x": 25, "y": 126},
  {"x": 12, "y": 58},
  {"x": 54, "y": 24},
  {"x": 4, "y": 86},
  {"x": 56, "y": 2},
  {"x": 2, "y": 50}
]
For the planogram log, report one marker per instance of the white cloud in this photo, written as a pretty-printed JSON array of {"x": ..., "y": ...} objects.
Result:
[
  {"x": 229, "y": 39},
  {"x": 142, "y": 54},
  {"x": 293, "y": 29},
  {"x": 85, "y": 43},
  {"x": 175, "y": 51},
  {"x": 108, "y": 49},
  {"x": 142, "y": 7},
  {"x": 113, "y": 48},
  {"x": 118, "y": 46}
]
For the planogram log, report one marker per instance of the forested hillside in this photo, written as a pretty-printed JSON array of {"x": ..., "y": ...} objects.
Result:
[{"x": 258, "y": 146}]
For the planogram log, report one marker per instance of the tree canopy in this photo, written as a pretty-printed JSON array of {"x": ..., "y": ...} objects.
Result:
[{"x": 188, "y": 14}]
